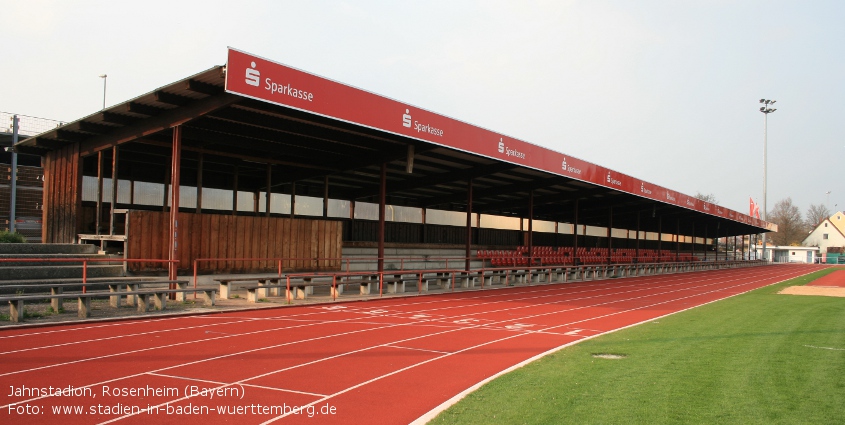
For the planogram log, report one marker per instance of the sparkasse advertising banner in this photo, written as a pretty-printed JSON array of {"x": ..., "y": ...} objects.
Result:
[{"x": 262, "y": 79}]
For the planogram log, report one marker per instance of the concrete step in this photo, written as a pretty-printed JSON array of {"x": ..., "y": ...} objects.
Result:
[
  {"x": 49, "y": 259},
  {"x": 403, "y": 252},
  {"x": 411, "y": 265},
  {"x": 46, "y": 248},
  {"x": 58, "y": 272}
]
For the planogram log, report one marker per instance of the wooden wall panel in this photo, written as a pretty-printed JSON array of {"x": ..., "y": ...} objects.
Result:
[
  {"x": 232, "y": 237},
  {"x": 62, "y": 195}
]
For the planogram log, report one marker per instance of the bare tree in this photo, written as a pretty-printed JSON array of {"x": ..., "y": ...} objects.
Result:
[
  {"x": 816, "y": 214},
  {"x": 787, "y": 216},
  {"x": 709, "y": 198}
]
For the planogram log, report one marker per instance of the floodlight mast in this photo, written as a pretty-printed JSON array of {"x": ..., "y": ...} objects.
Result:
[{"x": 766, "y": 110}]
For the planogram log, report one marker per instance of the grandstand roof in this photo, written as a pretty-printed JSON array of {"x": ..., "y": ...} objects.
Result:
[{"x": 310, "y": 128}]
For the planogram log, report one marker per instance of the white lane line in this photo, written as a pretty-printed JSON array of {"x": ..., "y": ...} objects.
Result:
[
  {"x": 431, "y": 414},
  {"x": 674, "y": 281},
  {"x": 336, "y": 321},
  {"x": 275, "y": 346},
  {"x": 224, "y": 384},
  {"x": 418, "y": 349},
  {"x": 372, "y": 347},
  {"x": 434, "y": 359},
  {"x": 191, "y": 342},
  {"x": 65, "y": 344}
]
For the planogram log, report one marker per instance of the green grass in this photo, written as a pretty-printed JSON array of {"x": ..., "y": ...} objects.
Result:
[{"x": 743, "y": 360}]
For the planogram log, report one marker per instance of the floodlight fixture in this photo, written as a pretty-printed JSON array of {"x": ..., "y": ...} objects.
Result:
[{"x": 104, "y": 77}]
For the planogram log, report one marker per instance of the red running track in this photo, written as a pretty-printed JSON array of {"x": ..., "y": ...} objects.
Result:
[
  {"x": 387, "y": 361},
  {"x": 836, "y": 279}
]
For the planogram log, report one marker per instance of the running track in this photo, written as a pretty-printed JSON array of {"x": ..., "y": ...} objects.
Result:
[{"x": 387, "y": 361}]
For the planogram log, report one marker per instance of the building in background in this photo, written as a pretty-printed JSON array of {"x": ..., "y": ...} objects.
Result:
[
  {"x": 30, "y": 176},
  {"x": 791, "y": 254},
  {"x": 830, "y": 233}
]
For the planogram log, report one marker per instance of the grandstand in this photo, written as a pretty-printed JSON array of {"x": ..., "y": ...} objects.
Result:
[{"x": 266, "y": 177}]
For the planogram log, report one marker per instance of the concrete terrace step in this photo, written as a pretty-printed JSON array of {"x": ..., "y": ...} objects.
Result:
[
  {"x": 412, "y": 265},
  {"x": 58, "y": 272},
  {"x": 50, "y": 259},
  {"x": 403, "y": 252},
  {"x": 45, "y": 248}
]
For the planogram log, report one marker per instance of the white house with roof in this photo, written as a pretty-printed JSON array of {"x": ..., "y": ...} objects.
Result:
[{"x": 830, "y": 232}]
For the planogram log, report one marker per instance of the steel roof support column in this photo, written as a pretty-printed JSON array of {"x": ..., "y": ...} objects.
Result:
[
  {"x": 199, "y": 182},
  {"x": 531, "y": 224},
  {"x": 382, "y": 207},
  {"x": 693, "y": 239},
  {"x": 351, "y": 230},
  {"x": 326, "y": 196},
  {"x": 706, "y": 245},
  {"x": 114, "y": 156},
  {"x": 575, "y": 236},
  {"x": 175, "y": 164},
  {"x": 292, "y": 199},
  {"x": 165, "y": 193},
  {"x": 734, "y": 250},
  {"x": 637, "y": 246},
  {"x": 13, "y": 184},
  {"x": 716, "y": 242},
  {"x": 659, "y": 234},
  {"x": 609, "y": 232},
  {"x": 469, "y": 225},
  {"x": 424, "y": 226},
  {"x": 268, "y": 194},
  {"x": 678, "y": 238},
  {"x": 99, "y": 214},
  {"x": 235, "y": 190}
]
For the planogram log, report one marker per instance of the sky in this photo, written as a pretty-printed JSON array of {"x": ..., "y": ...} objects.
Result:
[{"x": 665, "y": 91}]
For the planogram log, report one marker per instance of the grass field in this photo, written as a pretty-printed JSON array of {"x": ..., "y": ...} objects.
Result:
[{"x": 750, "y": 359}]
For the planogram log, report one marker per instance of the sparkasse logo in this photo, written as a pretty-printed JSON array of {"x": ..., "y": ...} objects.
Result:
[
  {"x": 406, "y": 119},
  {"x": 508, "y": 151},
  {"x": 408, "y": 122},
  {"x": 569, "y": 168},
  {"x": 253, "y": 77}
]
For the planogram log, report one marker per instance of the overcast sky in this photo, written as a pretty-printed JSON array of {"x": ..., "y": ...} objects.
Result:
[{"x": 665, "y": 91}]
